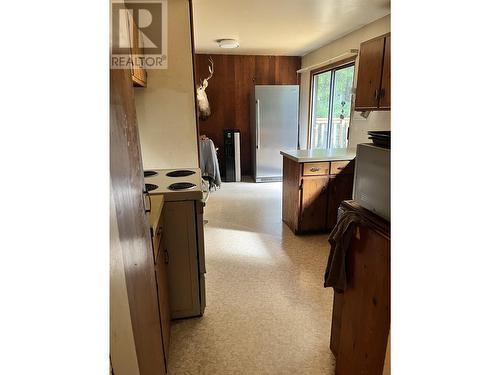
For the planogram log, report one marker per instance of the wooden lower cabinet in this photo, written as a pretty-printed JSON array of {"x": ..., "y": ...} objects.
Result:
[
  {"x": 361, "y": 315},
  {"x": 314, "y": 204},
  {"x": 340, "y": 189},
  {"x": 312, "y": 193},
  {"x": 157, "y": 219},
  {"x": 161, "y": 270}
]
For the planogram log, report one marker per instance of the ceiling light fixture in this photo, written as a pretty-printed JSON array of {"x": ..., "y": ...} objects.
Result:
[{"x": 228, "y": 43}]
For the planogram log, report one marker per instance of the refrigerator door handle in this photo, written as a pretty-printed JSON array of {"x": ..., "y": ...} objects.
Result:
[{"x": 257, "y": 117}]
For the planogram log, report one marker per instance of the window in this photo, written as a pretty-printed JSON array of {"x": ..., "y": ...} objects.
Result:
[{"x": 331, "y": 106}]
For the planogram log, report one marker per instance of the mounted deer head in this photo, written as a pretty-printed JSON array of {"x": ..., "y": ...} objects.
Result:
[{"x": 201, "y": 95}]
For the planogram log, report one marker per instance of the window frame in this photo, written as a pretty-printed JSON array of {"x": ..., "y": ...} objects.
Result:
[{"x": 350, "y": 61}]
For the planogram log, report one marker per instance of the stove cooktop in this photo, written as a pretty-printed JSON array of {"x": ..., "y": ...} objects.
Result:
[
  {"x": 180, "y": 173},
  {"x": 151, "y": 187},
  {"x": 181, "y": 186}
]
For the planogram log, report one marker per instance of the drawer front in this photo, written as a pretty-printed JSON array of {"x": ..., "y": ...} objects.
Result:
[
  {"x": 316, "y": 169},
  {"x": 346, "y": 166}
]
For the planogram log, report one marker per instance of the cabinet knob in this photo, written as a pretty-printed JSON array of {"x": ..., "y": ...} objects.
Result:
[{"x": 314, "y": 169}]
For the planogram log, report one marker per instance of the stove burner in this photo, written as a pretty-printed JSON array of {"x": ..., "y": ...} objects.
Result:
[
  {"x": 150, "y": 173},
  {"x": 150, "y": 187},
  {"x": 180, "y": 173},
  {"x": 181, "y": 186}
]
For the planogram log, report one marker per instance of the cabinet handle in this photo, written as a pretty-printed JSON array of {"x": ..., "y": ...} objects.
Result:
[
  {"x": 314, "y": 169},
  {"x": 167, "y": 258},
  {"x": 340, "y": 168},
  {"x": 382, "y": 93},
  {"x": 159, "y": 230},
  {"x": 376, "y": 93}
]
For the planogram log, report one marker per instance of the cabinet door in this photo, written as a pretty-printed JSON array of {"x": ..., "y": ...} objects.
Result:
[
  {"x": 183, "y": 276},
  {"x": 369, "y": 74},
  {"x": 138, "y": 73},
  {"x": 163, "y": 298},
  {"x": 385, "y": 88},
  {"x": 314, "y": 203},
  {"x": 340, "y": 189}
]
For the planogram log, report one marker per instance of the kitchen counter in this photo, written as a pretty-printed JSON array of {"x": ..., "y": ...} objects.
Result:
[{"x": 329, "y": 154}]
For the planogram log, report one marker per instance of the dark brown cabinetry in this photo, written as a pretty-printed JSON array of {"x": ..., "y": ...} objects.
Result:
[
  {"x": 340, "y": 189},
  {"x": 361, "y": 315},
  {"x": 313, "y": 203},
  {"x": 373, "y": 89},
  {"x": 312, "y": 193}
]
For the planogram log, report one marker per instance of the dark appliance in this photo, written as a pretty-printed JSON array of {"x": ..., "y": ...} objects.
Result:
[
  {"x": 381, "y": 138},
  {"x": 232, "y": 167}
]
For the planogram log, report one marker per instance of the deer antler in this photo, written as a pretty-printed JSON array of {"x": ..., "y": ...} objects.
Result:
[{"x": 210, "y": 68}]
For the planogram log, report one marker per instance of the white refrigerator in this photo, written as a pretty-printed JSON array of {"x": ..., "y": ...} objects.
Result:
[{"x": 274, "y": 128}]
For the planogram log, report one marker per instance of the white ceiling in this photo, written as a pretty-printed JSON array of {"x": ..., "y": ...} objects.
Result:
[{"x": 279, "y": 27}]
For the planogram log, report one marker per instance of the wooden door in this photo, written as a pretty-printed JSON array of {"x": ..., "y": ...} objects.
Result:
[
  {"x": 127, "y": 184},
  {"x": 385, "y": 88},
  {"x": 340, "y": 189},
  {"x": 369, "y": 74},
  {"x": 314, "y": 203},
  {"x": 163, "y": 298}
]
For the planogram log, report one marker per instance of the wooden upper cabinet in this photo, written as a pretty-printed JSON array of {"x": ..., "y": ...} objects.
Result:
[
  {"x": 385, "y": 88},
  {"x": 139, "y": 76},
  {"x": 373, "y": 61}
]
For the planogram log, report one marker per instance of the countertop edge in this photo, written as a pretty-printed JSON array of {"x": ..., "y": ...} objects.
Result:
[
  {"x": 306, "y": 159},
  {"x": 157, "y": 203}
]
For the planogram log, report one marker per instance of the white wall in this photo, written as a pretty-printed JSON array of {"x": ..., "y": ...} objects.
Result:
[
  {"x": 379, "y": 120},
  {"x": 166, "y": 108}
]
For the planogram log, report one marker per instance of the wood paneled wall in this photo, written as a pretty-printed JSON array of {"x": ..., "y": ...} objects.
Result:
[{"x": 229, "y": 94}]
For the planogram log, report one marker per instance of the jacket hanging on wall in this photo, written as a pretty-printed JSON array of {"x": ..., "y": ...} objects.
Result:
[{"x": 209, "y": 164}]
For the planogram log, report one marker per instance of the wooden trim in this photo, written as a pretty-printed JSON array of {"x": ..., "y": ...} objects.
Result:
[
  {"x": 191, "y": 22},
  {"x": 333, "y": 66},
  {"x": 309, "y": 112}
]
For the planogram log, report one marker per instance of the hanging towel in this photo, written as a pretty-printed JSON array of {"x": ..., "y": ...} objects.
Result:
[
  {"x": 340, "y": 239},
  {"x": 209, "y": 164}
]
